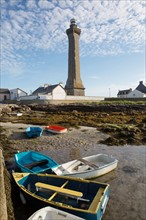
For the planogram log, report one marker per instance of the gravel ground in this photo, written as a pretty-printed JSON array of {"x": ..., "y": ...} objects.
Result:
[{"x": 127, "y": 183}]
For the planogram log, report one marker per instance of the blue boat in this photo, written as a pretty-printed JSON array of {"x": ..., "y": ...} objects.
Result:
[
  {"x": 34, "y": 162},
  {"x": 80, "y": 197},
  {"x": 34, "y": 132}
]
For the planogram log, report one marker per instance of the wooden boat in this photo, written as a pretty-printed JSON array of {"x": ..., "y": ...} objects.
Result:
[
  {"x": 34, "y": 162},
  {"x": 49, "y": 213},
  {"x": 87, "y": 167},
  {"x": 80, "y": 197},
  {"x": 56, "y": 129},
  {"x": 34, "y": 132}
]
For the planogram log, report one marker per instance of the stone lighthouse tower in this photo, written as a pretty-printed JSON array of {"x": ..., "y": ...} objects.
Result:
[{"x": 74, "y": 85}]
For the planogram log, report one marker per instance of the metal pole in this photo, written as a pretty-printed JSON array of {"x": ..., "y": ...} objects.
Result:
[{"x": 109, "y": 92}]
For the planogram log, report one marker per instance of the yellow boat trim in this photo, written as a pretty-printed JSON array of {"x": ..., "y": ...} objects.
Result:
[
  {"x": 19, "y": 176},
  {"x": 59, "y": 189},
  {"x": 96, "y": 200}
]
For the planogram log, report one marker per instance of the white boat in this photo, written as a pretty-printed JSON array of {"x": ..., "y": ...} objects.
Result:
[
  {"x": 87, "y": 167},
  {"x": 49, "y": 213}
]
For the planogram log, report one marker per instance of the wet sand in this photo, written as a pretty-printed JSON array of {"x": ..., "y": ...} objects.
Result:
[{"x": 127, "y": 183}]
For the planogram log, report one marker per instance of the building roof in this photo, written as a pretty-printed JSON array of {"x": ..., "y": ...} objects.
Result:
[
  {"x": 18, "y": 89},
  {"x": 141, "y": 87},
  {"x": 45, "y": 89},
  {"x": 126, "y": 91},
  {"x": 4, "y": 91},
  {"x": 22, "y": 90}
]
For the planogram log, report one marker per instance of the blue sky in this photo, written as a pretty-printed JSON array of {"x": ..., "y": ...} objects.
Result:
[{"x": 34, "y": 44}]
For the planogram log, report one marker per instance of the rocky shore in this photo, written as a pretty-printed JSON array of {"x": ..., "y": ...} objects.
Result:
[{"x": 124, "y": 123}]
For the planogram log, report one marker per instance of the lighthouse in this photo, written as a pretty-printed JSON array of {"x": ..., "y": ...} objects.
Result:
[{"x": 74, "y": 85}]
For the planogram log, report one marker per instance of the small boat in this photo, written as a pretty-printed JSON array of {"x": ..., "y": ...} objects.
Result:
[
  {"x": 87, "y": 167},
  {"x": 56, "y": 129},
  {"x": 49, "y": 213},
  {"x": 34, "y": 132},
  {"x": 80, "y": 197},
  {"x": 34, "y": 162}
]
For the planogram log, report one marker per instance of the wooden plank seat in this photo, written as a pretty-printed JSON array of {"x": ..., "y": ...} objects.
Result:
[
  {"x": 59, "y": 189},
  {"x": 89, "y": 163},
  {"x": 57, "y": 192},
  {"x": 36, "y": 163},
  {"x": 97, "y": 197}
]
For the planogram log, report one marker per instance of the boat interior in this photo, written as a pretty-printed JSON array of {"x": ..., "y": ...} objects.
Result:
[
  {"x": 79, "y": 165},
  {"x": 72, "y": 193},
  {"x": 35, "y": 162}
]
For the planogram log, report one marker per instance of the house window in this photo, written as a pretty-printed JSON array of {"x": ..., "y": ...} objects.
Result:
[{"x": 5, "y": 97}]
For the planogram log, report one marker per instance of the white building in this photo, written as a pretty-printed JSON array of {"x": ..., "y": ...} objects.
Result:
[
  {"x": 56, "y": 92},
  {"x": 17, "y": 93},
  {"x": 50, "y": 92},
  {"x": 4, "y": 94},
  {"x": 124, "y": 93},
  {"x": 136, "y": 94},
  {"x": 139, "y": 92}
]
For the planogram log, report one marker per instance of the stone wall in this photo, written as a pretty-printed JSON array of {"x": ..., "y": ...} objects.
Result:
[
  {"x": 125, "y": 99},
  {"x": 69, "y": 99},
  {"x": 3, "y": 203},
  {"x": 72, "y": 99}
]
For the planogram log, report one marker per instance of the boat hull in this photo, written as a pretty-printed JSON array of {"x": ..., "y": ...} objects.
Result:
[
  {"x": 91, "y": 205},
  {"x": 56, "y": 129},
  {"x": 87, "y": 167},
  {"x": 34, "y": 132}
]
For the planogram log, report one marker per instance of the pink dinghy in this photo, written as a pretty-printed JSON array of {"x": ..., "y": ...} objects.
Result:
[{"x": 56, "y": 129}]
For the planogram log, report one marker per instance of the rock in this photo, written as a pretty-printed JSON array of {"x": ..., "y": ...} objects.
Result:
[{"x": 8, "y": 108}]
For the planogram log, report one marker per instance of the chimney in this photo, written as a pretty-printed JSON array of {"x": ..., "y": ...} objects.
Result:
[
  {"x": 46, "y": 85},
  {"x": 61, "y": 83}
]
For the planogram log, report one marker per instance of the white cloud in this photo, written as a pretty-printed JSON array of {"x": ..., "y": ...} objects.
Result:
[
  {"x": 44, "y": 4},
  {"x": 14, "y": 2},
  {"x": 66, "y": 4},
  {"x": 3, "y": 3},
  {"x": 31, "y": 4},
  {"x": 108, "y": 27}
]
